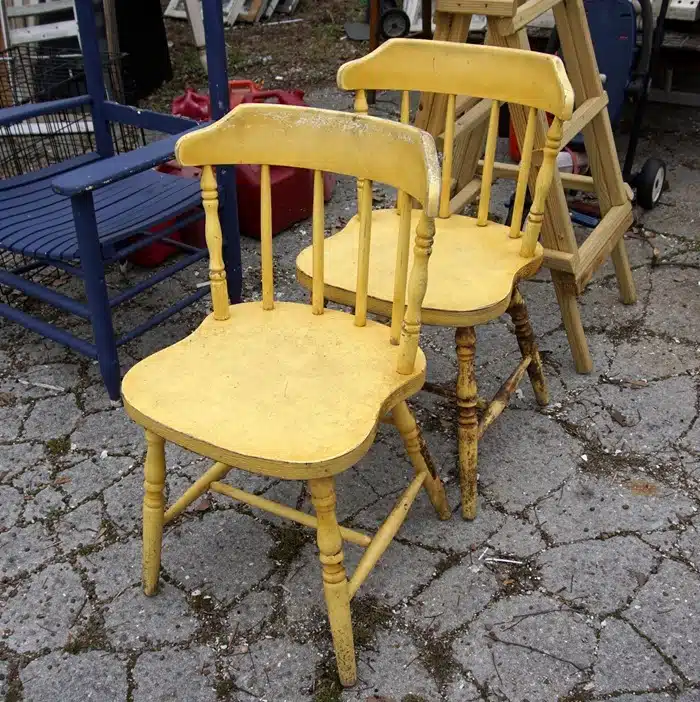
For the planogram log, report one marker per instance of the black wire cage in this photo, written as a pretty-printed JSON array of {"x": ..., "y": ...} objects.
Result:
[{"x": 34, "y": 74}]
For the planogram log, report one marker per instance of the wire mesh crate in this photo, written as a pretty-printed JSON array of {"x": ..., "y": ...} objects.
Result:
[{"x": 34, "y": 74}]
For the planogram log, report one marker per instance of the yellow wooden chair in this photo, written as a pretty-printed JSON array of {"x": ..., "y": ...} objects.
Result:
[
  {"x": 234, "y": 390},
  {"x": 476, "y": 263}
]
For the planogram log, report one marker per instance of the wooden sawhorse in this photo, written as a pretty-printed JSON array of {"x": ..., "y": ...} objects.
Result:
[{"x": 571, "y": 266}]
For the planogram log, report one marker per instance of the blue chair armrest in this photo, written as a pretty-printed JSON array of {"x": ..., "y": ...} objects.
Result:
[
  {"x": 147, "y": 119},
  {"x": 109, "y": 170},
  {"x": 12, "y": 115}
]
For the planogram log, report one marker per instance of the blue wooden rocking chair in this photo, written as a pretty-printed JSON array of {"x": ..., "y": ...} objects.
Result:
[{"x": 82, "y": 214}]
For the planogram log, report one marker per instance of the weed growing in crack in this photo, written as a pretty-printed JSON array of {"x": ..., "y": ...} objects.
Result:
[
  {"x": 517, "y": 578},
  {"x": 91, "y": 637},
  {"x": 437, "y": 657},
  {"x": 58, "y": 447},
  {"x": 368, "y": 616},
  {"x": 289, "y": 541},
  {"x": 327, "y": 687},
  {"x": 224, "y": 689},
  {"x": 14, "y": 685}
]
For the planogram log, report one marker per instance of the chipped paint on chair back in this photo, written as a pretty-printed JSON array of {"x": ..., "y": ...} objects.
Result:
[{"x": 365, "y": 147}]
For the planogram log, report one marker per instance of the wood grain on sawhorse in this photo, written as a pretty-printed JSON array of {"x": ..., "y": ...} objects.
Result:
[{"x": 572, "y": 266}]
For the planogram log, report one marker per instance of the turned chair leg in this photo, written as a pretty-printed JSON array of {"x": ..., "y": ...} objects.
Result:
[
  {"x": 420, "y": 458},
  {"x": 335, "y": 582},
  {"x": 468, "y": 425},
  {"x": 528, "y": 346},
  {"x": 153, "y": 510}
]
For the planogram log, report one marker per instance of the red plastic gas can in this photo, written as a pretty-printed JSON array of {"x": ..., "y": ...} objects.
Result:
[
  {"x": 197, "y": 106},
  {"x": 192, "y": 105},
  {"x": 292, "y": 188},
  {"x": 193, "y": 233},
  {"x": 158, "y": 252},
  {"x": 513, "y": 148},
  {"x": 239, "y": 89}
]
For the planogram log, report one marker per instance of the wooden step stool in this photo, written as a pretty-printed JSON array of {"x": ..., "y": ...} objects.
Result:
[{"x": 572, "y": 267}]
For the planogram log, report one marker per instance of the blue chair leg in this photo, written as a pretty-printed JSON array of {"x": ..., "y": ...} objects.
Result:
[{"x": 96, "y": 290}]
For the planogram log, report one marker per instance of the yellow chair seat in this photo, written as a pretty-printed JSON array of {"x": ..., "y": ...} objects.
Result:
[
  {"x": 283, "y": 392},
  {"x": 472, "y": 270}
]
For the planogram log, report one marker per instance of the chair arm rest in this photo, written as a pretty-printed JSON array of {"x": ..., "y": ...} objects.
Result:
[
  {"x": 12, "y": 115},
  {"x": 147, "y": 119},
  {"x": 109, "y": 170}
]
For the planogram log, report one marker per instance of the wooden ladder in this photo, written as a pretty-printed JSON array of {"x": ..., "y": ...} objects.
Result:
[{"x": 571, "y": 266}]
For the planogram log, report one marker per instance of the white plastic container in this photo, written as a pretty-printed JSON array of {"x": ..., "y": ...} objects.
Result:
[{"x": 572, "y": 161}]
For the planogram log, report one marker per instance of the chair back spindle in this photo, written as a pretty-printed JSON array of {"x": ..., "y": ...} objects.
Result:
[
  {"x": 405, "y": 207},
  {"x": 212, "y": 228},
  {"x": 318, "y": 224},
  {"x": 405, "y": 107},
  {"x": 364, "y": 200},
  {"x": 360, "y": 103},
  {"x": 361, "y": 108},
  {"x": 523, "y": 175},
  {"x": 358, "y": 146},
  {"x": 417, "y": 286},
  {"x": 447, "y": 156},
  {"x": 363, "y": 250},
  {"x": 489, "y": 159},
  {"x": 405, "y": 118},
  {"x": 487, "y": 72},
  {"x": 544, "y": 181},
  {"x": 268, "y": 290}
]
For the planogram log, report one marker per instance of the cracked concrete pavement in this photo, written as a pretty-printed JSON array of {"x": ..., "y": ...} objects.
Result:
[{"x": 579, "y": 580}]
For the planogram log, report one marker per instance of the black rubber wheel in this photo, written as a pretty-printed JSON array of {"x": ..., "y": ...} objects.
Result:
[
  {"x": 394, "y": 24},
  {"x": 650, "y": 183},
  {"x": 384, "y": 5}
]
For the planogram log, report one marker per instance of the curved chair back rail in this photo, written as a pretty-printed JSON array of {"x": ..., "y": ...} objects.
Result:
[
  {"x": 322, "y": 140},
  {"x": 507, "y": 75},
  {"x": 493, "y": 73}
]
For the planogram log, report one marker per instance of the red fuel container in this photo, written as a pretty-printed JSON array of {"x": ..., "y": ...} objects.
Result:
[
  {"x": 193, "y": 233},
  {"x": 292, "y": 188},
  {"x": 197, "y": 106},
  {"x": 513, "y": 148},
  {"x": 192, "y": 104},
  {"x": 238, "y": 90},
  {"x": 158, "y": 252}
]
